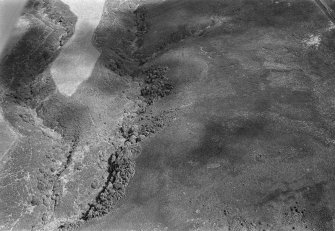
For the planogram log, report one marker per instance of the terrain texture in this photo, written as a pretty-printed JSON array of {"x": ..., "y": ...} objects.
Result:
[{"x": 198, "y": 115}]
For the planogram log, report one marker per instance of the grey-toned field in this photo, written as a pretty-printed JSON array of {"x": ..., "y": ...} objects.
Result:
[{"x": 189, "y": 115}]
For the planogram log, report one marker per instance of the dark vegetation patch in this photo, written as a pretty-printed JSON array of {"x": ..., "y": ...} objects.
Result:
[
  {"x": 156, "y": 84},
  {"x": 121, "y": 170},
  {"x": 121, "y": 166},
  {"x": 145, "y": 124},
  {"x": 133, "y": 129},
  {"x": 151, "y": 123},
  {"x": 69, "y": 226}
]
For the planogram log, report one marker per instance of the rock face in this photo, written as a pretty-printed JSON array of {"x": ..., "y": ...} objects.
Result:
[{"x": 231, "y": 101}]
